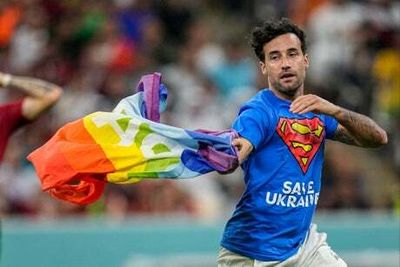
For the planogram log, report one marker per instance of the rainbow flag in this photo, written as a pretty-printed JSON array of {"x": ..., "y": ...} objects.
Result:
[{"x": 126, "y": 146}]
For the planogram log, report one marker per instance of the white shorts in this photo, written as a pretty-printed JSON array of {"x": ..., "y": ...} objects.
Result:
[{"x": 315, "y": 252}]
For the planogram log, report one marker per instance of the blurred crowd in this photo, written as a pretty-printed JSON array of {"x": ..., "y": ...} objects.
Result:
[{"x": 98, "y": 50}]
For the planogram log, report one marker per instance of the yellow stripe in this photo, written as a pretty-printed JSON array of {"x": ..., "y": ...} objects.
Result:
[{"x": 124, "y": 158}]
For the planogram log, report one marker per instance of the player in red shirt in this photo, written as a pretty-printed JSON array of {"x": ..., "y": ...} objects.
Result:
[{"x": 40, "y": 96}]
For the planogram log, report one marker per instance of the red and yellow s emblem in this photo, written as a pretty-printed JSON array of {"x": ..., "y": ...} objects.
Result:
[{"x": 303, "y": 138}]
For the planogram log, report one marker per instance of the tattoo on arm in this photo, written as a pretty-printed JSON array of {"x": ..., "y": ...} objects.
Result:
[
  {"x": 360, "y": 130},
  {"x": 40, "y": 95},
  {"x": 32, "y": 86},
  {"x": 342, "y": 135}
]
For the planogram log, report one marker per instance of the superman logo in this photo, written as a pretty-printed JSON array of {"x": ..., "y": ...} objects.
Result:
[{"x": 303, "y": 138}]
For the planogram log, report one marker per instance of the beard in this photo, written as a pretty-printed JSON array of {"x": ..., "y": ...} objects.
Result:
[{"x": 290, "y": 90}]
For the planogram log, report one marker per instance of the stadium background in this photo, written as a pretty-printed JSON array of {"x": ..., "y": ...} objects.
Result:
[{"x": 97, "y": 50}]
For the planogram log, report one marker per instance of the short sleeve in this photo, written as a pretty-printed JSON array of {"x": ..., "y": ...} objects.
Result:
[
  {"x": 253, "y": 124},
  {"x": 10, "y": 119},
  {"x": 331, "y": 125},
  {"x": 11, "y": 116}
]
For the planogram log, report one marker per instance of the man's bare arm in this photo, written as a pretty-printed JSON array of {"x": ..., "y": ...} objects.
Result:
[
  {"x": 41, "y": 95},
  {"x": 342, "y": 135},
  {"x": 357, "y": 129},
  {"x": 354, "y": 128}
]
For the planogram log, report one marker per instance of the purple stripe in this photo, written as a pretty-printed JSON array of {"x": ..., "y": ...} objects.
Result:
[
  {"x": 149, "y": 84},
  {"x": 221, "y": 161},
  {"x": 215, "y": 147}
]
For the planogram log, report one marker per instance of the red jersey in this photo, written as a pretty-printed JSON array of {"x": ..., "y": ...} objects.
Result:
[{"x": 10, "y": 119}]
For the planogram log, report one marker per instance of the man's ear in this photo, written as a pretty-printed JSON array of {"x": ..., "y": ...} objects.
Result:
[
  {"x": 263, "y": 68},
  {"x": 306, "y": 61}
]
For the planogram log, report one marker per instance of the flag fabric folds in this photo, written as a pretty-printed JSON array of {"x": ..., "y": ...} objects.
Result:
[{"x": 126, "y": 146}]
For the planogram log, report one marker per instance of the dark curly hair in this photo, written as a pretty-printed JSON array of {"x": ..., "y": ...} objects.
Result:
[{"x": 271, "y": 29}]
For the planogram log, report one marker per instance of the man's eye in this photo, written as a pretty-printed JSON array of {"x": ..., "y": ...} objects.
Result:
[
  {"x": 292, "y": 54},
  {"x": 273, "y": 57}
]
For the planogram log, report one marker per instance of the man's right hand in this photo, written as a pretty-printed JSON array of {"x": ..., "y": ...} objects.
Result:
[
  {"x": 244, "y": 147},
  {"x": 4, "y": 79}
]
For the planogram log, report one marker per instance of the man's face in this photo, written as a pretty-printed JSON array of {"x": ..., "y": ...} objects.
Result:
[{"x": 285, "y": 64}]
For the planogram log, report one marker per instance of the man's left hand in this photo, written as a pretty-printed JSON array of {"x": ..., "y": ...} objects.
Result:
[{"x": 313, "y": 103}]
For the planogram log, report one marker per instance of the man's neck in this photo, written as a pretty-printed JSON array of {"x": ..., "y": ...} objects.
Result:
[{"x": 299, "y": 92}]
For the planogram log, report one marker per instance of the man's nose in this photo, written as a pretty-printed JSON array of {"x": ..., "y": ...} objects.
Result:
[{"x": 285, "y": 63}]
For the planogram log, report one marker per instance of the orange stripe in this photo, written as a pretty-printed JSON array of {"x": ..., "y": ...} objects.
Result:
[
  {"x": 83, "y": 153},
  {"x": 67, "y": 173}
]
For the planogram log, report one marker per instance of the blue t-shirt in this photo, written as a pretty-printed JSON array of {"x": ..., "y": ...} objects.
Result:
[{"x": 282, "y": 177}]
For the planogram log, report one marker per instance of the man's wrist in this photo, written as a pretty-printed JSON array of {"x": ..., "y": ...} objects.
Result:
[
  {"x": 5, "y": 80},
  {"x": 341, "y": 115},
  {"x": 337, "y": 110}
]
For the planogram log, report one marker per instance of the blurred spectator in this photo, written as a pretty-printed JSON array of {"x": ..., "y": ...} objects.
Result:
[
  {"x": 207, "y": 53},
  {"x": 112, "y": 50},
  {"x": 132, "y": 18},
  {"x": 237, "y": 72},
  {"x": 9, "y": 18},
  {"x": 176, "y": 16},
  {"x": 20, "y": 184},
  {"x": 299, "y": 11},
  {"x": 345, "y": 182},
  {"x": 184, "y": 83},
  {"x": 80, "y": 95},
  {"x": 160, "y": 197},
  {"x": 331, "y": 29},
  {"x": 384, "y": 14},
  {"x": 386, "y": 70},
  {"x": 31, "y": 32}
]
